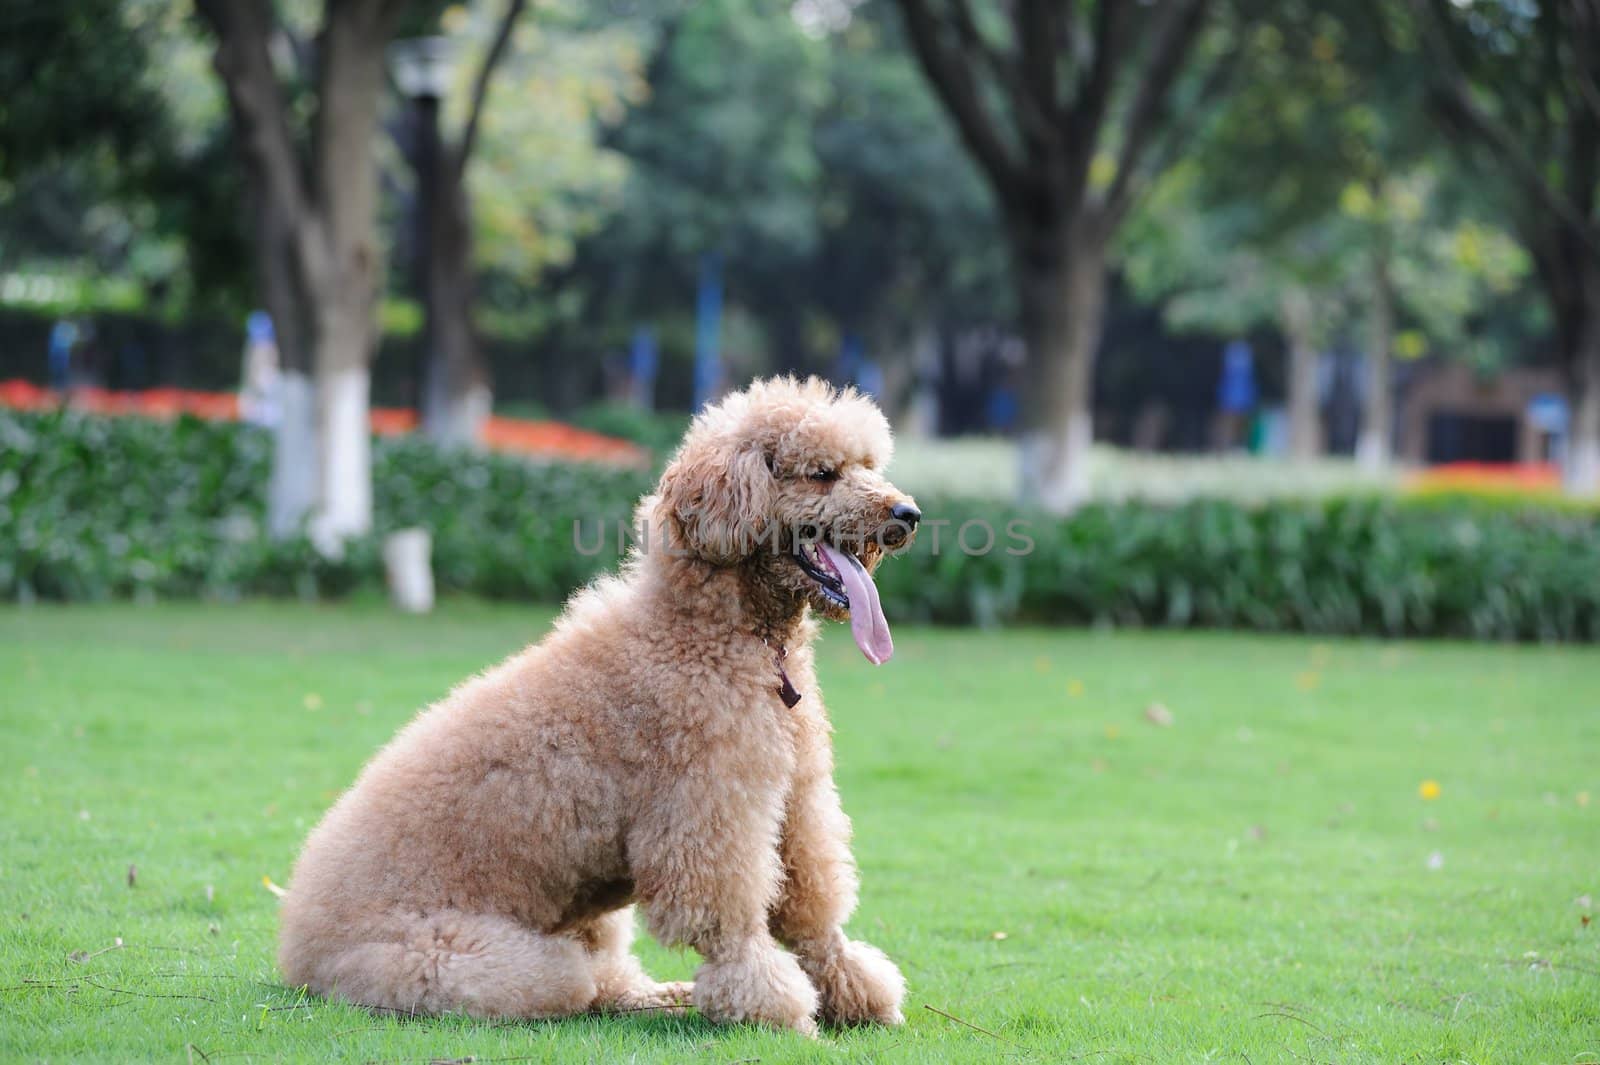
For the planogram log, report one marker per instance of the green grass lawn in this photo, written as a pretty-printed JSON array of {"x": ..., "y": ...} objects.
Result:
[{"x": 1260, "y": 881}]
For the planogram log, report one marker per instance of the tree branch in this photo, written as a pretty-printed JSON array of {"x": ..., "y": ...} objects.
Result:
[
  {"x": 243, "y": 30},
  {"x": 480, "y": 85},
  {"x": 952, "y": 81},
  {"x": 1452, "y": 100},
  {"x": 1094, "y": 85},
  {"x": 1456, "y": 106},
  {"x": 1128, "y": 185},
  {"x": 1174, "y": 36},
  {"x": 1036, "y": 35},
  {"x": 1037, "y": 114}
]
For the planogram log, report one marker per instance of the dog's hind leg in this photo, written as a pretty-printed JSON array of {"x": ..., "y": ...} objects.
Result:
[
  {"x": 478, "y": 964},
  {"x": 622, "y": 986}
]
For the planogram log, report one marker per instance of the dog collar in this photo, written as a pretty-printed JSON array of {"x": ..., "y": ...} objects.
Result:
[{"x": 786, "y": 690}]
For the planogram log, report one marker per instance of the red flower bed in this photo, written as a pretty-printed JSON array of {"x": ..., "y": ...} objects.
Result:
[
  {"x": 1497, "y": 476},
  {"x": 540, "y": 439}
]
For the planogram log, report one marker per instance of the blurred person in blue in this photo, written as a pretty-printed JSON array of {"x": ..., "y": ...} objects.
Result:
[
  {"x": 1236, "y": 395},
  {"x": 63, "y": 338},
  {"x": 260, "y": 375}
]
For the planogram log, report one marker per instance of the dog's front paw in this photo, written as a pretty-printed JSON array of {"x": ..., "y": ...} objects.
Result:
[
  {"x": 647, "y": 995},
  {"x": 858, "y": 984},
  {"x": 763, "y": 986}
]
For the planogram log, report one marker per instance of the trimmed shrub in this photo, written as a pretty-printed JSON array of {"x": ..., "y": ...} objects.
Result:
[
  {"x": 1371, "y": 565},
  {"x": 97, "y": 508}
]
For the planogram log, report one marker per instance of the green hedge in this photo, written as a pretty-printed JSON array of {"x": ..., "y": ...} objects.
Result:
[
  {"x": 1382, "y": 566},
  {"x": 94, "y": 508},
  {"x": 98, "y": 508}
]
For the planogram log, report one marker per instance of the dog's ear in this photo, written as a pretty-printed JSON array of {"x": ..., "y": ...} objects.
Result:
[{"x": 718, "y": 503}]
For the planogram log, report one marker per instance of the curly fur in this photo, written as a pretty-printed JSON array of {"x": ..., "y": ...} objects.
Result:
[{"x": 487, "y": 859}]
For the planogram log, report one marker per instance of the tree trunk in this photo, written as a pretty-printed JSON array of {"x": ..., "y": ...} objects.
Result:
[
  {"x": 293, "y": 489},
  {"x": 346, "y": 185},
  {"x": 343, "y": 393},
  {"x": 1063, "y": 312},
  {"x": 1305, "y": 429},
  {"x": 457, "y": 398},
  {"x": 1582, "y": 473},
  {"x": 1570, "y": 276},
  {"x": 319, "y": 246},
  {"x": 1375, "y": 446}
]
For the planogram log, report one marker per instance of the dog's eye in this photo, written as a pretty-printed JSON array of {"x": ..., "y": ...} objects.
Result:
[{"x": 825, "y": 476}]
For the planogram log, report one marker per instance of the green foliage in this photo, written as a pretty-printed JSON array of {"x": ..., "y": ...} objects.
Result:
[
  {"x": 117, "y": 184},
  {"x": 721, "y": 153},
  {"x": 97, "y": 508},
  {"x": 1484, "y": 569},
  {"x": 1317, "y": 175},
  {"x": 541, "y": 176},
  {"x": 71, "y": 78},
  {"x": 92, "y": 508},
  {"x": 659, "y": 431}
]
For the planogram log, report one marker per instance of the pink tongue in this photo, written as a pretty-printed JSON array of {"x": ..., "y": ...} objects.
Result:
[{"x": 867, "y": 623}]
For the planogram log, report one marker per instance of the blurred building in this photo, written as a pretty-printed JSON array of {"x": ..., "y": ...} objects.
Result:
[{"x": 1449, "y": 412}]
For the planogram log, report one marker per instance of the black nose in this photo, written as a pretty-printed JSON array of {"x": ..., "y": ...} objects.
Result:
[{"x": 907, "y": 513}]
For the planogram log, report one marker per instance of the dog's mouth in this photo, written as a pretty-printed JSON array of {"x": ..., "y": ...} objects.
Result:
[{"x": 844, "y": 582}]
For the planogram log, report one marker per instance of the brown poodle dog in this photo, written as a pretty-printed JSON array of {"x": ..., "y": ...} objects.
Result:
[{"x": 665, "y": 744}]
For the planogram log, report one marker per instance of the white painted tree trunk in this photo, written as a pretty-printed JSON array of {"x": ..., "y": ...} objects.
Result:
[
  {"x": 1581, "y": 475},
  {"x": 456, "y": 399},
  {"x": 458, "y": 418},
  {"x": 1305, "y": 423},
  {"x": 1055, "y": 463},
  {"x": 345, "y": 506},
  {"x": 921, "y": 419},
  {"x": 293, "y": 490},
  {"x": 1375, "y": 446},
  {"x": 1063, "y": 314}
]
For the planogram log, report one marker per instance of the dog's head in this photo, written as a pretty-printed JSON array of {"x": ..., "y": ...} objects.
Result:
[{"x": 787, "y": 477}]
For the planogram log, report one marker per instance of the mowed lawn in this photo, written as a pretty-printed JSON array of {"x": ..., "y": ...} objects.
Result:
[{"x": 1261, "y": 880}]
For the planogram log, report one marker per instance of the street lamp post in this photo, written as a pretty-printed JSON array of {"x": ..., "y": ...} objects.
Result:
[{"x": 423, "y": 67}]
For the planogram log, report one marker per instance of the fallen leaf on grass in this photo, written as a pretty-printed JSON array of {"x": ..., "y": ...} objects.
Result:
[{"x": 1157, "y": 714}]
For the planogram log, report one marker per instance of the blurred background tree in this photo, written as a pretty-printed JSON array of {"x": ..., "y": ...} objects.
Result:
[
  {"x": 1315, "y": 204},
  {"x": 1069, "y": 112},
  {"x": 1516, "y": 88},
  {"x": 1038, "y": 221}
]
